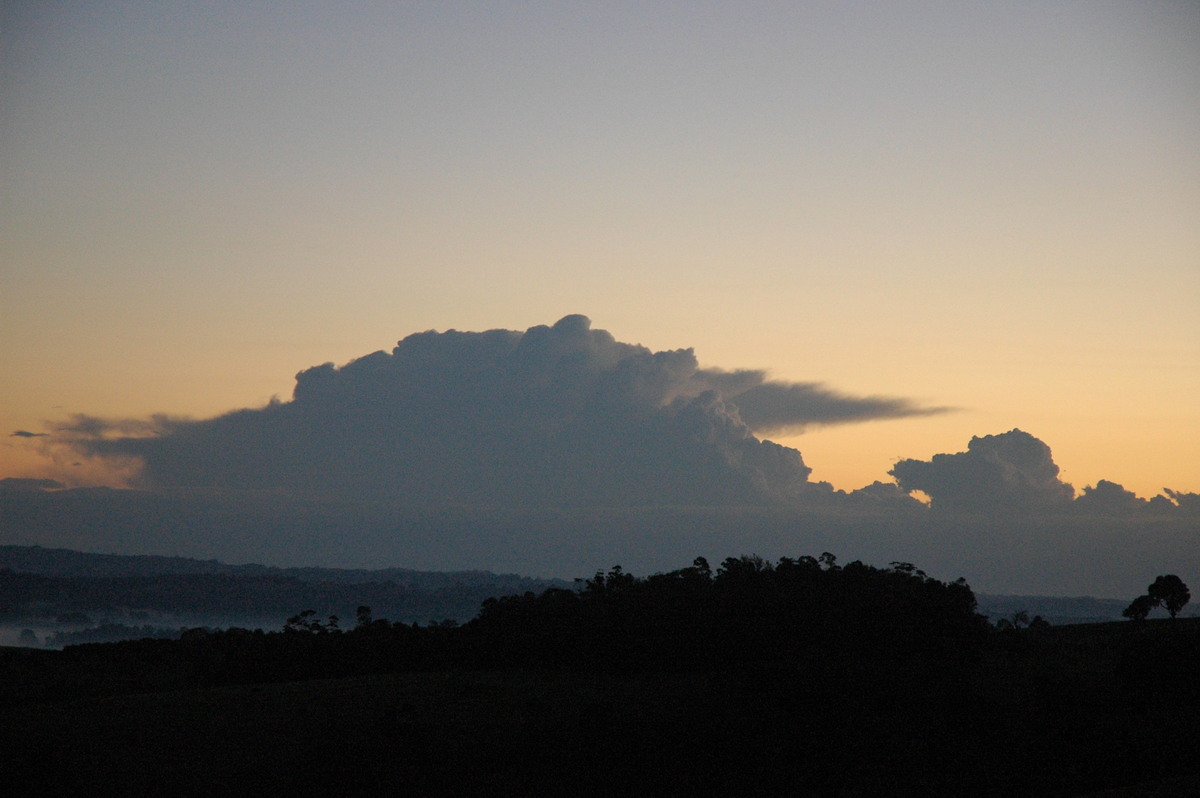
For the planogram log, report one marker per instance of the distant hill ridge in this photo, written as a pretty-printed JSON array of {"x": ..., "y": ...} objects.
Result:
[
  {"x": 77, "y": 564},
  {"x": 1057, "y": 610},
  {"x": 40, "y": 586}
]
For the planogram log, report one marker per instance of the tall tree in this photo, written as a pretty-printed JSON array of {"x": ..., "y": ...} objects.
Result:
[{"x": 1169, "y": 591}]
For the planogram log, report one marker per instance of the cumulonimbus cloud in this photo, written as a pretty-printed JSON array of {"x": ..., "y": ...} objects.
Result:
[{"x": 561, "y": 414}]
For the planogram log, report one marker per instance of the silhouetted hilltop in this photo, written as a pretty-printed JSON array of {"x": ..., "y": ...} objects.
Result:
[{"x": 68, "y": 563}]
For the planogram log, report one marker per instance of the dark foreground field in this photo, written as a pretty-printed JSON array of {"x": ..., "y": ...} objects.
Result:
[
  {"x": 1066, "y": 711},
  {"x": 803, "y": 677}
]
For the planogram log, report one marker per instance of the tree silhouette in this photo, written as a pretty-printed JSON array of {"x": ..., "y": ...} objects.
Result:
[
  {"x": 1167, "y": 591},
  {"x": 1015, "y": 621},
  {"x": 1170, "y": 592},
  {"x": 1139, "y": 608},
  {"x": 746, "y": 610}
]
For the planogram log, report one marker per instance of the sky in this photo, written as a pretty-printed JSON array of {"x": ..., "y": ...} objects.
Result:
[{"x": 985, "y": 212}]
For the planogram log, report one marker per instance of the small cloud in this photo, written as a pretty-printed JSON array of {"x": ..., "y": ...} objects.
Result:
[
  {"x": 1189, "y": 503},
  {"x": 82, "y": 425},
  {"x": 1010, "y": 471},
  {"x": 1108, "y": 498},
  {"x": 885, "y": 493},
  {"x": 24, "y": 433}
]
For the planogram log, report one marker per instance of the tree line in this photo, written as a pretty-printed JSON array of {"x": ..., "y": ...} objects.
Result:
[
  {"x": 837, "y": 619},
  {"x": 1167, "y": 591}
]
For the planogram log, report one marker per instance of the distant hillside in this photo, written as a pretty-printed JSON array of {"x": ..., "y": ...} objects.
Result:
[
  {"x": 1060, "y": 610},
  {"x": 56, "y": 590},
  {"x": 1057, "y": 610},
  {"x": 77, "y": 564}
]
